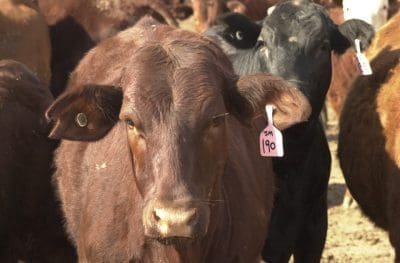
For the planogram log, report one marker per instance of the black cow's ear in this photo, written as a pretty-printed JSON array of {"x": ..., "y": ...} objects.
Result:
[
  {"x": 85, "y": 115},
  {"x": 251, "y": 93},
  {"x": 344, "y": 35},
  {"x": 239, "y": 30}
]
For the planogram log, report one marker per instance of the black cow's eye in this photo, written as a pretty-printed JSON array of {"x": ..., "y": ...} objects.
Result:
[
  {"x": 325, "y": 46},
  {"x": 130, "y": 123},
  {"x": 239, "y": 35}
]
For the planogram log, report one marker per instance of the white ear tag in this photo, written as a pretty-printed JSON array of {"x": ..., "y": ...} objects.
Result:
[
  {"x": 271, "y": 142},
  {"x": 362, "y": 61}
]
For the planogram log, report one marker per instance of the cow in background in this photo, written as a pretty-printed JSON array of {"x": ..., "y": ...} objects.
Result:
[
  {"x": 159, "y": 160},
  {"x": 76, "y": 26},
  {"x": 24, "y": 37},
  {"x": 369, "y": 137},
  {"x": 206, "y": 12},
  {"x": 31, "y": 225},
  {"x": 345, "y": 69},
  {"x": 295, "y": 42}
]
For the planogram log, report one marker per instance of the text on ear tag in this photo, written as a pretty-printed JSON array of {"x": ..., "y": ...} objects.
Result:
[
  {"x": 363, "y": 64},
  {"x": 81, "y": 119},
  {"x": 271, "y": 142}
]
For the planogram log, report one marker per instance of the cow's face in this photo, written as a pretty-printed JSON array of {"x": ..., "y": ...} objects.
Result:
[
  {"x": 176, "y": 130},
  {"x": 174, "y": 99},
  {"x": 295, "y": 42}
]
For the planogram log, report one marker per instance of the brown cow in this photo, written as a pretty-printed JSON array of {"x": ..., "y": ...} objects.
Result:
[
  {"x": 157, "y": 156},
  {"x": 369, "y": 138},
  {"x": 30, "y": 217},
  {"x": 75, "y": 27},
  {"x": 104, "y": 18},
  {"x": 24, "y": 37}
]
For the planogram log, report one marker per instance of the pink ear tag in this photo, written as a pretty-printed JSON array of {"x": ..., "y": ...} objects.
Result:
[
  {"x": 271, "y": 142},
  {"x": 362, "y": 61}
]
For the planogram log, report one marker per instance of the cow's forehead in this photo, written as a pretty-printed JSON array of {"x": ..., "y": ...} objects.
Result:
[
  {"x": 156, "y": 85},
  {"x": 304, "y": 18}
]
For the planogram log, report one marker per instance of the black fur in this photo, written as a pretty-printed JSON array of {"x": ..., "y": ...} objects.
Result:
[{"x": 295, "y": 43}]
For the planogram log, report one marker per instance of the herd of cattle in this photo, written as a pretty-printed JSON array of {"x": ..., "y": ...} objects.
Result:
[{"x": 124, "y": 139}]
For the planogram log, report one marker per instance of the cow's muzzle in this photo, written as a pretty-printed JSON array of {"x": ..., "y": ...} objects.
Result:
[{"x": 172, "y": 221}]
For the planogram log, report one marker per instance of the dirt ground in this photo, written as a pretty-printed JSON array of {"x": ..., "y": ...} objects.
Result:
[{"x": 351, "y": 238}]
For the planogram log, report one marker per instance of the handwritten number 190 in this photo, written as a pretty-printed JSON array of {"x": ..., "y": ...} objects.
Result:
[{"x": 269, "y": 145}]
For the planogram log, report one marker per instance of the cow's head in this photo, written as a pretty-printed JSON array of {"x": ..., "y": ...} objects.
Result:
[
  {"x": 295, "y": 43},
  {"x": 179, "y": 100}
]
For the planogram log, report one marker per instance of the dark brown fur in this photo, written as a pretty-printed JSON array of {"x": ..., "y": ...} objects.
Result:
[
  {"x": 176, "y": 144},
  {"x": 76, "y": 26},
  {"x": 104, "y": 18},
  {"x": 369, "y": 138},
  {"x": 30, "y": 218},
  {"x": 24, "y": 37}
]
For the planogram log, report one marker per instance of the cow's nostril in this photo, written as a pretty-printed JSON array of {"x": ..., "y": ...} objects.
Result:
[
  {"x": 155, "y": 216},
  {"x": 192, "y": 218}
]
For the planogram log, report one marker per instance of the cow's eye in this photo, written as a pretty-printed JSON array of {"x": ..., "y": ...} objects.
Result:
[
  {"x": 130, "y": 123},
  {"x": 239, "y": 35},
  {"x": 218, "y": 119},
  {"x": 325, "y": 46}
]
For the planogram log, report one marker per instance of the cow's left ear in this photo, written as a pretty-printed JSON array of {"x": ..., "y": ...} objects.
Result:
[
  {"x": 343, "y": 36},
  {"x": 252, "y": 92},
  {"x": 85, "y": 115}
]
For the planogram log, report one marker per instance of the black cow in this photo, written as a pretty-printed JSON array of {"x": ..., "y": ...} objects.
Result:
[{"x": 295, "y": 42}]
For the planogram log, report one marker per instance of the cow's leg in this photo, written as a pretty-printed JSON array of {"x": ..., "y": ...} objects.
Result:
[
  {"x": 285, "y": 222},
  {"x": 311, "y": 241},
  {"x": 311, "y": 238}
]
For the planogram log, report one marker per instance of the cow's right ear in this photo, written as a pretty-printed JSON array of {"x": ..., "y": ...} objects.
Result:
[
  {"x": 251, "y": 93},
  {"x": 85, "y": 115}
]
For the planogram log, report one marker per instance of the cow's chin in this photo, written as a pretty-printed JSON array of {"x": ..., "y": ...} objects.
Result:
[
  {"x": 185, "y": 238},
  {"x": 177, "y": 241}
]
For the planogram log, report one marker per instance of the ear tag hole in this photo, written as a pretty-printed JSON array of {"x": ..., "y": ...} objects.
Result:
[
  {"x": 81, "y": 119},
  {"x": 271, "y": 141}
]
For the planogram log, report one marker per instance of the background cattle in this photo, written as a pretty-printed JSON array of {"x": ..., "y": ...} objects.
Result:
[
  {"x": 345, "y": 69},
  {"x": 24, "y": 37},
  {"x": 30, "y": 217},
  {"x": 160, "y": 171},
  {"x": 295, "y": 42},
  {"x": 101, "y": 19},
  {"x": 369, "y": 138},
  {"x": 206, "y": 12},
  {"x": 76, "y": 26}
]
